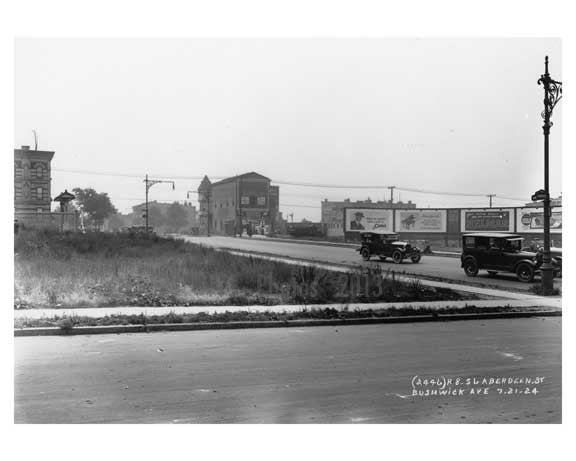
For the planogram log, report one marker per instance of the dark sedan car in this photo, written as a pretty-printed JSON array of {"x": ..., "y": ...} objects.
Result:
[
  {"x": 501, "y": 252},
  {"x": 387, "y": 245}
]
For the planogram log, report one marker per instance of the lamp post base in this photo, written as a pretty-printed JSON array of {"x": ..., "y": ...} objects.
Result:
[{"x": 547, "y": 274}]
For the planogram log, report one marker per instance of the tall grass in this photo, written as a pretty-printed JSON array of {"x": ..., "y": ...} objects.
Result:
[{"x": 98, "y": 269}]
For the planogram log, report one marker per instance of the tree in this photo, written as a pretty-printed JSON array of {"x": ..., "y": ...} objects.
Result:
[
  {"x": 176, "y": 216},
  {"x": 93, "y": 205}
]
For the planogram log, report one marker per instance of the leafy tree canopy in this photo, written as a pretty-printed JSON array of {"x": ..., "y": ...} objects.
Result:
[{"x": 93, "y": 204}]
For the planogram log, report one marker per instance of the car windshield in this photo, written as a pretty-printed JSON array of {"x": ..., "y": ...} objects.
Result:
[{"x": 513, "y": 245}]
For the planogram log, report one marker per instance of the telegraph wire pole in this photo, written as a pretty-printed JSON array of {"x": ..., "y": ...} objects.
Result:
[
  {"x": 491, "y": 195},
  {"x": 391, "y": 193},
  {"x": 149, "y": 183}
]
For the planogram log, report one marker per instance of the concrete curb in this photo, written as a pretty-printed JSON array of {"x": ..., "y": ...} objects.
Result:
[{"x": 116, "y": 329}]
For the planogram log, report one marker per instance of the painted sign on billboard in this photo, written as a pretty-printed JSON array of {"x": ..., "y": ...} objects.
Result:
[
  {"x": 487, "y": 219},
  {"x": 421, "y": 221},
  {"x": 359, "y": 219},
  {"x": 532, "y": 220}
]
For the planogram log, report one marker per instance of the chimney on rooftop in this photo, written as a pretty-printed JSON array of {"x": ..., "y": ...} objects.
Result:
[{"x": 25, "y": 147}]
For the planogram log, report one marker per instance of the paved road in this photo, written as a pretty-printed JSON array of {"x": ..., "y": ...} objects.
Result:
[
  {"x": 351, "y": 374},
  {"x": 435, "y": 266}
]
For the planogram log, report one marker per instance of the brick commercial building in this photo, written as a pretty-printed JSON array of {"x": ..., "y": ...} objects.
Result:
[
  {"x": 333, "y": 212},
  {"x": 230, "y": 205}
]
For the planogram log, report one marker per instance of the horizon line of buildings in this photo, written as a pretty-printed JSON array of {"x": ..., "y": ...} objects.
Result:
[{"x": 226, "y": 207}]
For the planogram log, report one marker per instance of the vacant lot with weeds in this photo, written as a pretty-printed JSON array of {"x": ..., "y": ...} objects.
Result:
[{"x": 100, "y": 269}]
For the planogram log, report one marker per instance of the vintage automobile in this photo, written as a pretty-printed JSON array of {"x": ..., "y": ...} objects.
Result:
[
  {"x": 387, "y": 245},
  {"x": 501, "y": 252}
]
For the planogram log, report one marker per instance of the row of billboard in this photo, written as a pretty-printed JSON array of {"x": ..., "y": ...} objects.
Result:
[{"x": 524, "y": 220}]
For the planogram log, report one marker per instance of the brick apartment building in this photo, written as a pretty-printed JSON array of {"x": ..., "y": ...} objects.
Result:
[
  {"x": 33, "y": 192},
  {"x": 32, "y": 181},
  {"x": 229, "y": 205}
]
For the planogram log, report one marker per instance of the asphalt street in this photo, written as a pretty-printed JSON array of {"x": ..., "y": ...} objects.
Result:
[
  {"x": 350, "y": 374},
  {"x": 435, "y": 266}
]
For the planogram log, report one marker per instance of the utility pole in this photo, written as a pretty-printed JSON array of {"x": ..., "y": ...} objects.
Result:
[
  {"x": 391, "y": 193},
  {"x": 149, "y": 183},
  {"x": 491, "y": 195},
  {"x": 552, "y": 94},
  {"x": 35, "y": 139}
]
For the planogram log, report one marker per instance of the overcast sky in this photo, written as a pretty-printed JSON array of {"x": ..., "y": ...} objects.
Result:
[{"x": 458, "y": 115}]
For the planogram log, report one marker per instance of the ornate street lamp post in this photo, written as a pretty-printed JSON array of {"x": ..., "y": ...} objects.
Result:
[
  {"x": 149, "y": 183},
  {"x": 552, "y": 94}
]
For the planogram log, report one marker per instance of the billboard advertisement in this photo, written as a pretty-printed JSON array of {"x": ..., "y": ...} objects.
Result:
[
  {"x": 359, "y": 219},
  {"x": 532, "y": 220},
  {"x": 420, "y": 220},
  {"x": 487, "y": 220}
]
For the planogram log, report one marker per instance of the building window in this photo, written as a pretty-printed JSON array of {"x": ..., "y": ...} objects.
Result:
[
  {"x": 245, "y": 200},
  {"x": 262, "y": 201},
  {"x": 39, "y": 171},
  {"x": 39, "y": 193},
  {"x": 38, "y": 210}
]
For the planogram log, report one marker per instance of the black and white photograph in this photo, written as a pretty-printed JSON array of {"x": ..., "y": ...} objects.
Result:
[{"x": 272, "y": 231}]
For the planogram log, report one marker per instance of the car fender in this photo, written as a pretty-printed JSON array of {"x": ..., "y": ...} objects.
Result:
[
  {"x": 467, "y": 258},
  {"x": 527, "y": 261}
]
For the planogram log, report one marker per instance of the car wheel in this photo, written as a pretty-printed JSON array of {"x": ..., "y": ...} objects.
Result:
[
  {"x": 471, "y": 267},
  {"x": 416, "y": 258},
  {"x": 525, "y": 273},
  {"x": 365, "y": 253},
  {"x": 397, "y": 256},
  {"x": 492, "y": 273}
]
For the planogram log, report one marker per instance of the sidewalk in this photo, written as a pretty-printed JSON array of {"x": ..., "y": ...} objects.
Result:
[{"x": 99, "y": 312}]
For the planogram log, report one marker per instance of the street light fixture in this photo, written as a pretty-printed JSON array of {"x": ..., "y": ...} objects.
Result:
[
  {"x": 552, "y": 94},
  {"x": 149, "y": 183}
]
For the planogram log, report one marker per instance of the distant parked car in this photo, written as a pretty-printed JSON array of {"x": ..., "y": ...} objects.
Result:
[
  {"x": 502, "y": 252},
  {"x": 138, "y": 230},
  {"x": 387, "y": 245}
]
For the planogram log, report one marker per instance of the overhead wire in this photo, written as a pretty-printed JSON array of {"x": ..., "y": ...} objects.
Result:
[{"x": 302, "y": 184}]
